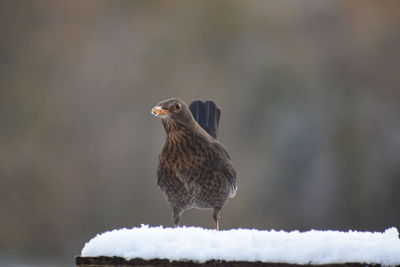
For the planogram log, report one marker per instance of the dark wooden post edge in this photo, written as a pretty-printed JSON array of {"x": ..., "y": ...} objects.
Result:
[{"x": 121, "y": 262}]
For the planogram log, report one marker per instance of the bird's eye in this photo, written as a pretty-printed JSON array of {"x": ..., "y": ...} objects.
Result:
[{"x": 178, "y": 106}]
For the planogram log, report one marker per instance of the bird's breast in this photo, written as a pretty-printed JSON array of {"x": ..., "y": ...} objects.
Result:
[{"x": 184, "y": 153}]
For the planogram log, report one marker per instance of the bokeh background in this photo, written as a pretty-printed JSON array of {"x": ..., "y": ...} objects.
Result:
[{"x": 310, "y": 99}]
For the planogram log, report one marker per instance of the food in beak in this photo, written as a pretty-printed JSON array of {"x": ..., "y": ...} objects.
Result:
[{"x": 158, "y": 111}]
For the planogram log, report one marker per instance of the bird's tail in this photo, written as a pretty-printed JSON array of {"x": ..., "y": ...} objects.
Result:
[{"x": 207, "y": 115}]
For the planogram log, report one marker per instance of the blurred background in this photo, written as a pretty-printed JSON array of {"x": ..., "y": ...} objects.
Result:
[{"x": 310, "y": 99}]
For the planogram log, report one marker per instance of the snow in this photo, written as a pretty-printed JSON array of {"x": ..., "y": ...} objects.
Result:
[{"x": 197, "y": 244}]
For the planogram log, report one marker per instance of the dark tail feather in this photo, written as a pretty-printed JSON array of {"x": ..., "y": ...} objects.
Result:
[{"x": 207, "y": 115}]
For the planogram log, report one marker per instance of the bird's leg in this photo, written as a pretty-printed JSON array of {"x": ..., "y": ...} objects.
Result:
[
  {"x": 176, "y": 215},
  {"x": 216, "y": 217}
]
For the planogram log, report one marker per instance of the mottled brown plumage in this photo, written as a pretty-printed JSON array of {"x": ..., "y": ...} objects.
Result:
[{"x": 194, "y": 171}]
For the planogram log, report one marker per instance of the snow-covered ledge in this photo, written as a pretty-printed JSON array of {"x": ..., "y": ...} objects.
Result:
[{"x": 156, "y": 246}]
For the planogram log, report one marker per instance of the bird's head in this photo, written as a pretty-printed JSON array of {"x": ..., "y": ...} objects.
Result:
[{"x": 173, "y": 111}]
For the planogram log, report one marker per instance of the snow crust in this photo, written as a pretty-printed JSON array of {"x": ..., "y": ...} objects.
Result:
[{"x": 197, "y": 244}]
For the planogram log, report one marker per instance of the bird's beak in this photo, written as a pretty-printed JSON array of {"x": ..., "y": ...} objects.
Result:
[{"x": 158, "y": 111}]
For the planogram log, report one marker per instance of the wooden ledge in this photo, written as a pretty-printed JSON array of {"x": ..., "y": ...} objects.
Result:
[{"x": 121, "y": 262}]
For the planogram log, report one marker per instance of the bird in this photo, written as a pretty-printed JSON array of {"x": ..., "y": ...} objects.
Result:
[{"x": 194, "y": 169}]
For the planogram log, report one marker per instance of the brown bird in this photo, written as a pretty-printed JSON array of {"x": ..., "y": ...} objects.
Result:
[{"x": 194, "y": 170}]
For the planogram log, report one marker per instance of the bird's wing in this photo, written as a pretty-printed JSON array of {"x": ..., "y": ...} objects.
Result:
[
  {"x": 185, "y": 171},
  {"x": 207, "y": 115},
  {"x": 230, "y": 174},
  {"x": 161, "y": 172},
  {"x": 165, "y": 173},
  {"x": 221, "y": 149},
  {"x": 226, "y": 166}
]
